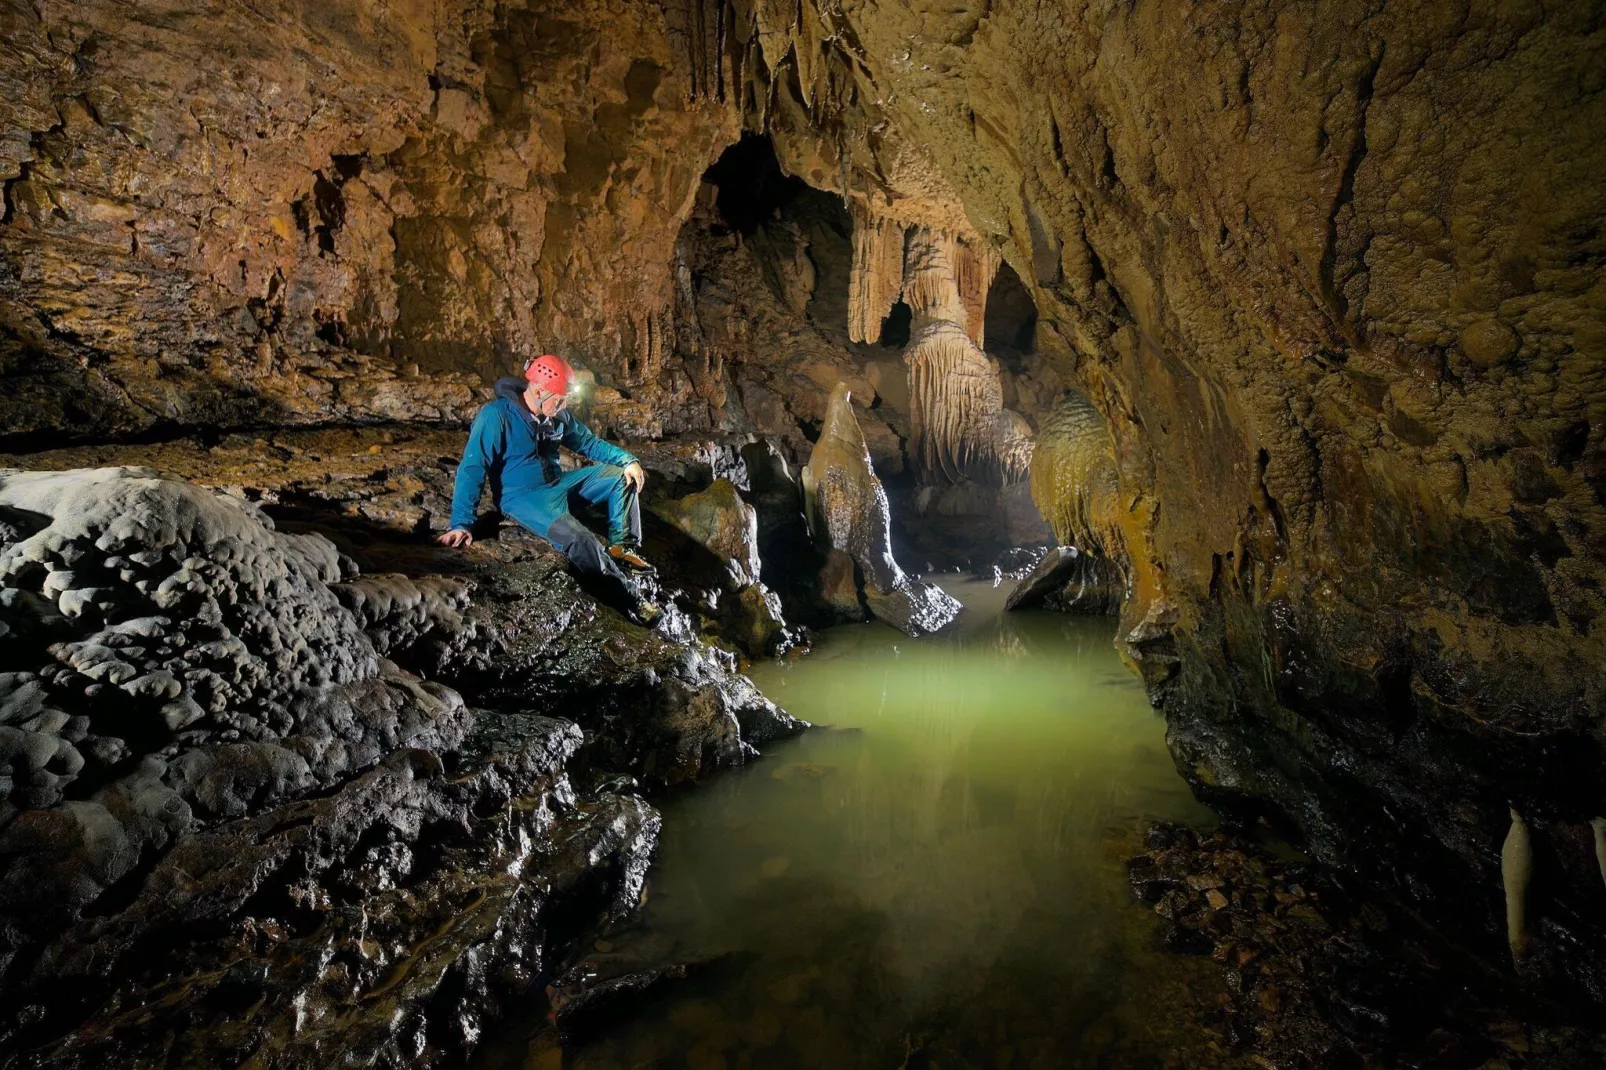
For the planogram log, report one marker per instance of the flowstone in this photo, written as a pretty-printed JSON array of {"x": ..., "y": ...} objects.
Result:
[{"x": 173, "y": 660}]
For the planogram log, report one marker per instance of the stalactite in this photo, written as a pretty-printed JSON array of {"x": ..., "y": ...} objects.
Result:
[
  {"x": 703, "y": 27},
  {"x": 703, "y": 362},
  {"x": 876, "y": 278},
  {"x": 929, "y": 285},
  {"x": 975, "y": 266},
  {"x": 776, "y": 24},
  {"x": 960, "y": 426},
  {"x": 648, "y": 363},
  {"x": 954, "y": 395},
  {"x": 1516, "y": 861}
]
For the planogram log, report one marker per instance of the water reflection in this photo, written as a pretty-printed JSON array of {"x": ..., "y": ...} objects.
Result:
[{"x": 935, "y": 879}]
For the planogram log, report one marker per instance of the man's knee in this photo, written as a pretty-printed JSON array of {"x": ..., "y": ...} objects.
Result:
[{"x": 582, "y": 547}]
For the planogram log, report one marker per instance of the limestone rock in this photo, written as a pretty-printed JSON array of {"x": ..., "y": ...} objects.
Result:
[
  {"x": 390, "y": 914},
  {"x": 716, "y": 552},
  {"x": 848, "y": 511},
  {"x": 154, "y": 616},
  {"x": 420, "y": 844},
  {"x": 1066, "y": 579},
  {"x": 1329, "y": 275},
  {"x": 718, "y": 520}
]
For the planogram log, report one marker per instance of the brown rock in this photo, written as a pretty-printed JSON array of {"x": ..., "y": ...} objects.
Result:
[
  {"x": 718, "y": 520},
  {"x": 1489, "y": 342}
]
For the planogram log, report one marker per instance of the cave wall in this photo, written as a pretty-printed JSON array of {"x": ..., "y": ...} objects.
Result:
[
  {"x": 235, "y": 213},
  {"x": 1333, "y": 274}
]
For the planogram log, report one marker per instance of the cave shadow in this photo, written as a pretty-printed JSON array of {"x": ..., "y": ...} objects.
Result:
[
  {"x": 1010, "y": 321},
  {"x": 752, "y": 186}
]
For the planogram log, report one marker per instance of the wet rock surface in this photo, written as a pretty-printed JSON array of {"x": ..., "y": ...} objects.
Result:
[
  {"x": 709, "y": 544},
  {"x": 304, "y": 843},
  {"x": 389, "y": 919},
  {"x": 1070, "y": 581},
  {"x": 1313, "y": 974},
  {"x": 181, "y": 662}
]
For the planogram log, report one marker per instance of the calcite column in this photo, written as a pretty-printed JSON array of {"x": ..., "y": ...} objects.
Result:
[{"x": 960, "y": 426}]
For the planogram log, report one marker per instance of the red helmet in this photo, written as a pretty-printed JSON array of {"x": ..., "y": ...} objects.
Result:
[{"x": 550, "y": 373}]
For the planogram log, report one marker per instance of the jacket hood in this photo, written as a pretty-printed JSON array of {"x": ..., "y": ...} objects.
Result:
[{"x": 511, "y": 387}]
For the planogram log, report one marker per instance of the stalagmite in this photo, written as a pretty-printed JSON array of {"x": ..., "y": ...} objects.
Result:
[
  {"x": 1599, "y": 825},
  {"x": 876, "y": 279},
  {"x": 960, "y": 425},
  {"x": 847, "y": 510},
  {"x": 975, "y": 265},
  {"x": 845, "y": 503},
  {"x": 1516, "y": 859}
]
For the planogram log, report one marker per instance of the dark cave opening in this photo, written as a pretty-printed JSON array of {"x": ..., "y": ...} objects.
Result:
[
  {"x": 782, "y": 218},
  {"x": 1011, "y": 317},
  {"x": 801, "y": 239},
  {"x": 895, "y": 328},
  {"x": 752, "y": 187}
]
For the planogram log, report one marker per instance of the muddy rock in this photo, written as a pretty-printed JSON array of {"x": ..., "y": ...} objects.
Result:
[
  {"x": 718, "y": 520},
  {"x": 343, "y": 920},
  {"x": 1309, "y": 969}
]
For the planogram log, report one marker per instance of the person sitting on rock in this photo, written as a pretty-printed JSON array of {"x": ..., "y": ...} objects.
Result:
[{"x": 514, "y": 441}]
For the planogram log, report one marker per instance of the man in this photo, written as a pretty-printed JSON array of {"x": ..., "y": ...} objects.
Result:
[{"x": 515, "y": 442}]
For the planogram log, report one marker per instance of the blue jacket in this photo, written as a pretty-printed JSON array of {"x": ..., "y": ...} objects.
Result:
[{"x": 519, "y": 451}]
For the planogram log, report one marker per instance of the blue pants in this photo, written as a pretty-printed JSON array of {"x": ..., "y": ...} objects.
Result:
[{"x": 545, "y": 511}]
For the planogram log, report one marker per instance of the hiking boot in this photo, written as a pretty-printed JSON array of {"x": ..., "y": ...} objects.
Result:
[
  {"x": 646, "y": 613},
  {"x": 629, "y": 557}
]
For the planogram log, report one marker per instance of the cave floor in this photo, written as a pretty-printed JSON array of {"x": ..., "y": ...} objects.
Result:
[
  {"x": 391, "y": 477},
  {"x": 930, "y": 881}
]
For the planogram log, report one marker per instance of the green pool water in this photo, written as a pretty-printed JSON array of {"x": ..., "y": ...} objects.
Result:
[{"x": 934, "y": 877}]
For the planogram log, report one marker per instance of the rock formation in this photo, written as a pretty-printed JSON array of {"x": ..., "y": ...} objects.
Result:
[
  {"x": 184, "y": 662},
  {"x": 1070, "y": 581},
  {"x": 961, "y": 427},
  {"x": 1104, "y": 535},
  {"x": 847, "y": 510},
  {"x": 223, "y": 791},
  {"x": 877, "y": 279},
  {"x": 717, "y": 553}
]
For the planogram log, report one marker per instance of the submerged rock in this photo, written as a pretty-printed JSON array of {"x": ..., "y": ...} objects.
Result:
[
  {"x": 1068, "y": 580},
  {"x": 848, "y": 511}
]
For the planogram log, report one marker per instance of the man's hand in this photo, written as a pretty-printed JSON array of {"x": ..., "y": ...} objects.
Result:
[
  {"x": 635, "y": 476},
  {"x": 457, "y": 538}
]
